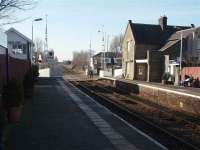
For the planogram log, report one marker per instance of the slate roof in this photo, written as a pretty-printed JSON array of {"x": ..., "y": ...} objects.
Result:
[
  {"x": 108, "y": 54},
  {"x": 20, "y": 34},
  {"x": 153, "y": 34},
  {"x": 176, "y": 37}
]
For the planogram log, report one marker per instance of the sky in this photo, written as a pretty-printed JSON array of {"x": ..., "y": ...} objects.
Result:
[{"x": 73, "y": 23}]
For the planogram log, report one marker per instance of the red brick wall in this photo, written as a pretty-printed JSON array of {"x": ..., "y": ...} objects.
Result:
[
  {"x": 17, "y": 69},
  {"x": 2, "y": 70},
  {"x": 191, "y": 71}
]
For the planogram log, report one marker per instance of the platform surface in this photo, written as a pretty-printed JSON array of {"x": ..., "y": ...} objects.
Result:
[{"x": 60, "y": 117}]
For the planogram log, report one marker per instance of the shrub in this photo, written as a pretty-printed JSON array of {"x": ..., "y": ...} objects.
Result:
[
  {"x": 166, "y": 76},
  {"x": 28, "y": 80},
  {"x": 13, "y": 94},
  {"x": 35, "y": 71}
]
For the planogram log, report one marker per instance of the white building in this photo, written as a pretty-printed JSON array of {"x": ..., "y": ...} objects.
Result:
[
  {"x": 3, "y": 42},
  {"x": 19, "y": 46}
]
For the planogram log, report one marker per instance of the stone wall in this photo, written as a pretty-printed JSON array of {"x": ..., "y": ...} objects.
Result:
[
  {"x": 128, "y": 56},
  {"x": 178, "y": 101}
]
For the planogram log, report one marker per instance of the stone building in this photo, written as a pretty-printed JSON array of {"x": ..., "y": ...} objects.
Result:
[{"x": 145, "y": 47}]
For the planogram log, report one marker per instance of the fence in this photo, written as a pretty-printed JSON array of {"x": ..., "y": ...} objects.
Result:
[
  {"x": 17, "y": 68},
  {"x": 191, "y": 71},
  {"x": 2, "y": 71}
]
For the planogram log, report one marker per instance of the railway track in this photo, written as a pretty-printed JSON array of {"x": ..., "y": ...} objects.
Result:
[{"x": 174, "y": 132}]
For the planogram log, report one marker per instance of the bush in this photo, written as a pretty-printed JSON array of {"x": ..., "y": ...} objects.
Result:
[
  {"x": 35, "y": 71},
  {"x": 166, "y": 76},
  {"x": 28, "y": 80},
  {"x": 13, "y": 94}
]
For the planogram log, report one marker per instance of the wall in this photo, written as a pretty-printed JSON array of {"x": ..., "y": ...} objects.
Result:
[
  {"x": 193, "y": 71},
  {"x": 17, "y": 68},
  {"x": 141, "y": 50},
  {"x": 128, "y": 57},
  {"x": 178, "y": 101},
  {"x": 155, "y": 66},
  {"x": 2, "y": 71},
  {"x": 117, "y": 72}
]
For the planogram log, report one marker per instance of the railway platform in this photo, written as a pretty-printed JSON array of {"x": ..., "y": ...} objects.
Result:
[{"x": 61, "y": 117}]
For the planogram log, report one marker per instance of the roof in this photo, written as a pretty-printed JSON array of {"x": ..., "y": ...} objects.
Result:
[
  {"x": 176, "y": 37},
  {"x": 169, "y": 44},
  {"x": 20, "y": 34},
  {"x": 153, "y": 34},
  {"x": 107, "y": 54}
]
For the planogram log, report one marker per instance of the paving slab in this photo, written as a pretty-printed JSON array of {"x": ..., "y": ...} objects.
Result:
[{"x": 60, "y": 117}]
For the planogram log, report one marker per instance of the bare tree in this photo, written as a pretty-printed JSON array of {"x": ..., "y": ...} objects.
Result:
[
  {"x": 9, "y": 7},
  {"x": 38, "y": 48},
  {"x": 39, "y": 44},
  {"x": 116, "y": 44},
  {"x": 80, "y": 59}
]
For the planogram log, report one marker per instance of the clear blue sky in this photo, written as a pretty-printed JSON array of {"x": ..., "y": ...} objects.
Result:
[{"x": 73, "y": 22}]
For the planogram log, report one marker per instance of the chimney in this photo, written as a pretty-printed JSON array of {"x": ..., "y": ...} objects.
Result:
[
  {"x": 163, "y": 22},
  {"x": 192, "y": 25}
]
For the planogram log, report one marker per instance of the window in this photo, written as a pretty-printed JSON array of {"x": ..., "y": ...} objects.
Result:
[
  {"x": 18, "y": 47},
  {"x": 108, "y": 60},
  {"x": 129, "y": 46},
  {"x": 140, "y": 70}
]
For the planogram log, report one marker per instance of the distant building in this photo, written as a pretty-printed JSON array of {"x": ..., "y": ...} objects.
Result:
[
  {"x": 150, "y": 50},
  {"x": 106, "y": 61}
]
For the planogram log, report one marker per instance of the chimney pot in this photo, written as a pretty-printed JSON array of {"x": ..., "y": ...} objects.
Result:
[
  {"x": 192, "y": 25},
  {"x": 130, "y": 21},
  {"x": 163, "y": 22}
]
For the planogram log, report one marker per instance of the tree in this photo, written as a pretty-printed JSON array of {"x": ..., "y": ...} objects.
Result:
[
  {"x": 80, "y": 59},
  {"x": 116, "y": 44},
  {"x": 39, "y": 44},
  {"x": 38, "y": 48},
  {"x": 9, "y": 7}
]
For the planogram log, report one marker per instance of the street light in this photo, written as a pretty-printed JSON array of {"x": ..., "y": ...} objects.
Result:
[
  {"x": 103, "y": 45},
  {"x": 35, "y": 20}
]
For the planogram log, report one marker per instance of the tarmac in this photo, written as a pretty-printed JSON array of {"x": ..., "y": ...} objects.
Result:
[{"x": 61, "y": 117}]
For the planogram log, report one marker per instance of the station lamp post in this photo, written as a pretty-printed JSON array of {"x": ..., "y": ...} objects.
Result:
[
  {"x": 103, "y": 45},
  {"x": 35, "y": 20}
]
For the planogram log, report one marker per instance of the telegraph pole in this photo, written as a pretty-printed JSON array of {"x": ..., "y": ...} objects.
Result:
[{"x": 181, "y": 51}]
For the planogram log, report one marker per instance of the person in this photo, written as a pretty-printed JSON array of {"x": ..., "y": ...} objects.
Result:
[
  {"x": 186, "y": 81},
  {"x": 197, "y": 82},
  {"x": 91, "y": 73}
]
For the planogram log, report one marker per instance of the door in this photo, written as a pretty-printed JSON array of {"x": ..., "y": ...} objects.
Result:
[{"x": 141, "y": 72}]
